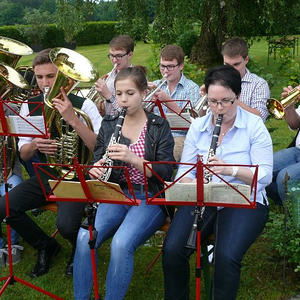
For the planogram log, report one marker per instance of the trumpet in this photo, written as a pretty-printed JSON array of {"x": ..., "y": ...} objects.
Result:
[
  {"x": 148, "y": 104},
  {"x": 276, "y": 107}
]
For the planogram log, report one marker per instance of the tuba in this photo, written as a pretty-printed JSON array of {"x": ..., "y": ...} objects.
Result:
[
  {"x": 9, "y": 79},
  {"x": 73, "y": 68},
  {"x": 276, "y": 108}
]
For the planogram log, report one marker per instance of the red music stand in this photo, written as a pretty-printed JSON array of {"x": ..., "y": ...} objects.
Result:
[
  {"x": 5, "y": 130},
  {"x": 181, "y": 116},
  {"x": 199, "y": 201},
  {"x": 85, "y": 191}
]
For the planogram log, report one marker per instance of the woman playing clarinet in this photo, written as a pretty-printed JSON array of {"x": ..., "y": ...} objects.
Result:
[
  {"x": 142, "y": 137},
  {"x": 242, "y": 139}
]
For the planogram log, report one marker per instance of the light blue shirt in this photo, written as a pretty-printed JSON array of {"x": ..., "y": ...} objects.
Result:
[
  {"x": 185, "y": 89},
  {"x": 247, "y": 142}
]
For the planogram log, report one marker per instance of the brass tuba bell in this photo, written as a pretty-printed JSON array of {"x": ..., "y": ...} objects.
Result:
[
  {"x": 73, "y": 68},
  {"x": 12, "y": 50},
  {"x": 276, "y": 107}
]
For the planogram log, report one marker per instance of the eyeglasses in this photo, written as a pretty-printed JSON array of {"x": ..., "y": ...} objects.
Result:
[
  {"x": 223, "y": 102},
  {"x": 117, "y": 56},
  {"x": 168, "y": 67}
]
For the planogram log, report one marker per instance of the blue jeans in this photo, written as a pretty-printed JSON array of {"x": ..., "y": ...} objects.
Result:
[
  {"x": 130, "y": 227},
  {"x": 235, "y": 229},
  {"x": 13, "y": 180},
  {"x": 285, "y": 161}
]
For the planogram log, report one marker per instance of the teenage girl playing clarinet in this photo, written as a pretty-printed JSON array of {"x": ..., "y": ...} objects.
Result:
[
  {"x": 144, "y": 137},
  {"x": 243, "y": 139}
]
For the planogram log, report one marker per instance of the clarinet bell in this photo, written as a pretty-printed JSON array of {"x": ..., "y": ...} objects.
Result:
[{"x": 192, "y": 241}]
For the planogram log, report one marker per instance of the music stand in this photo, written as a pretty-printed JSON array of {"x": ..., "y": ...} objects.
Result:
[
  {"x": 178, "y": 120},
  {"x": 85, "y": 190},
  {"x": 200, "y": 200},
  {"x": 19, "y": 126}
]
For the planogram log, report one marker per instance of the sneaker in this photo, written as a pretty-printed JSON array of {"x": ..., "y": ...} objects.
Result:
[
  {"x": 3, "y": 257},
  {"x": 15, "y": 254}
]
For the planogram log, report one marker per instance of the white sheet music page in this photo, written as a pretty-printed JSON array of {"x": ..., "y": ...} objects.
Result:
[
  {"x": 20, "y": 126},
  {"x": 179, "y": 121}
]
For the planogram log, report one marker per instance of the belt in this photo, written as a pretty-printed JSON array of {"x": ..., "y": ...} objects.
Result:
[{"x": 136, "y": 187}]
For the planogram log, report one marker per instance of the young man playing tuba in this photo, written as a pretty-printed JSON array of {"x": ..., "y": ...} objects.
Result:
[{"x": 29, "y": 194}]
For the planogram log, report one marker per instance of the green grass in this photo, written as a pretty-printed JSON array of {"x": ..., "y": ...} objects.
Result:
[{"x": 261, "y": 276}]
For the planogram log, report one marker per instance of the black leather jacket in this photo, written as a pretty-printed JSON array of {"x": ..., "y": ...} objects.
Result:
[{"x": 159, "y": 145}]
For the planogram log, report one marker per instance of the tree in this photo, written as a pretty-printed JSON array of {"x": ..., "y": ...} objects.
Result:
[
  {"x": 71, "y": 15},
  {"x": 11, "y": 13},
  {"x": 221, "y": 19}
]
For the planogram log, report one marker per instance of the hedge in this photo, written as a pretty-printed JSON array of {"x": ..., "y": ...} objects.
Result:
[{"x": 94, "y": 33}]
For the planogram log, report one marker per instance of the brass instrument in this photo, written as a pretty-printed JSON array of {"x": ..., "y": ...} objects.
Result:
[
  {"x": 148, "y": 104},
  {"x": 276, "y": 108},
  {"x": 73, "y": 68},
  {"x": 96, "y": 97},
  {"x": 12, "y": 50},
  {"x": 11, "y": 86},
  {"x": 9, "y": 78},
  {"x": 115, "y": 137},
  {"x": 202, "y": 104},
  {"x": 199, "y": 211}
]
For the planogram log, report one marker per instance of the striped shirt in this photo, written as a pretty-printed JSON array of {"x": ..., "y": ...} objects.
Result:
[{"x": 255, "y": 93}]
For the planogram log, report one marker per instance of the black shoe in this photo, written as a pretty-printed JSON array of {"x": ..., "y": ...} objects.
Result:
[
  {"x": 44, "y": 259},
  {"x": 69, "y": 268}
]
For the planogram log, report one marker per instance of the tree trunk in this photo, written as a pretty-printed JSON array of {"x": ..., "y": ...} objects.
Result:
[{"x": 207, "y": 50}]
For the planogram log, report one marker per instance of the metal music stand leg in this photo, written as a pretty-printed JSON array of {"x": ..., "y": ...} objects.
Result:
[
  {"x": 89, "y": 224},
  {"x": 11, "y": 278}
]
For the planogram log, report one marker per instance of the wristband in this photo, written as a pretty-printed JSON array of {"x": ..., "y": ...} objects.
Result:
[{"x": 234, "y": 171}]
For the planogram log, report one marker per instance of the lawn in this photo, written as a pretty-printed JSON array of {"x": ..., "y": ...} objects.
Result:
[{"x": 262, "y": 269}]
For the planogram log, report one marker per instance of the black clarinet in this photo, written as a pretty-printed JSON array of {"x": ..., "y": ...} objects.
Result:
[
  {"x": 192, "y": 241},
  {"x": 113, "y": 140}
]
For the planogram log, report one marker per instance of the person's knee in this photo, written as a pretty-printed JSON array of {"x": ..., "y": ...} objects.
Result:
[
  {"x": 121, "y": 246},
  {"x": 82, "y": 244}
]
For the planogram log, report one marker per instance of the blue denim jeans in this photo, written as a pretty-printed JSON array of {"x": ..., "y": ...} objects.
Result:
[
  {"x": 13, "y": 180},
  {"x": 285, "y": 161},
  {"x": 235, "y": 229},
  {"x": 130, "y": 227}
]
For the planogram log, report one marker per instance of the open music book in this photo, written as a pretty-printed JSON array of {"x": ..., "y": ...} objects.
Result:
[
  {"x": 98, "y": 190},
  {"x": 17, "y": 125},
  {"x": 179, "y": 121},
  {"x": 213, "y": 192}
]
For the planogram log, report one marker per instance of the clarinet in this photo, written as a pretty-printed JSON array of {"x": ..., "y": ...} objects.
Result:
[
  {"x": 192, "y": 241},
  {"x": 115, "y": 137},
  {"x": 213, "y": 145}
]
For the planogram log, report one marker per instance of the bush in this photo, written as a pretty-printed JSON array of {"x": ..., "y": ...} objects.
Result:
[
  {"x": 288, "y": 246},
  {"x": 13, "y": 33},
  {"x": 96, "y": 33},
  {"x": 187, "y": 40}
]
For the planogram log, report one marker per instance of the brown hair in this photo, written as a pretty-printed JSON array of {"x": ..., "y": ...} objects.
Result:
[
  {"x": 235, "y": 46},
  {"x": 171, "y": 52},
  {"x": 122, "y": 42},
  {"x": 137, "y": 74},
  {"x": 42, "y": 58}
]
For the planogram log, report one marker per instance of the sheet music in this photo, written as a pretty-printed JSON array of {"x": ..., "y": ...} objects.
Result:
[
  {"x": 178, "y": 121},
  {"x": 18, "y": 125},
  {"x": 213, "y": 192}
]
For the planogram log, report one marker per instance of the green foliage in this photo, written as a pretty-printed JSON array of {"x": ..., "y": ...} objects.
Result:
[
  {"x": 71, "y": 16},
  {"x": 10, "y": 13},
  {"x": 96, "y": 33},
  {"x": 12, "y": 32},
  {"x": 289, "y": 67},
  {"x": 259, "y": 70},
  {"x": 36, "y": 29},
  {"x": 133, "y": 18},
  {"x": 288, "y": 246}
]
